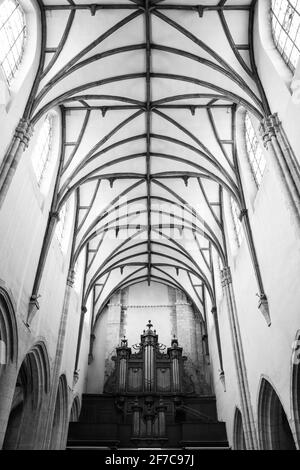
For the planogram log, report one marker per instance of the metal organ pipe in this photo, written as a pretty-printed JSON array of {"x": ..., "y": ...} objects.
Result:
[
  {"x": 149, "y": 367},
  {"x": 174, "y": 353},
  {"x": 149, "y": 340}
]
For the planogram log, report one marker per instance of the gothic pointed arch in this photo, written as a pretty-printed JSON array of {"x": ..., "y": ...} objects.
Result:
[
  {"x": 273, "y": 424},
  {"x": 60, "y": 420},
  {"x": 8, "y": 329},
  {"x": 31, "y": 389},
  {"x": 295, "y": 385},
  {"x": 75, "y": 409},
  {"x": 239, "y": 442}
]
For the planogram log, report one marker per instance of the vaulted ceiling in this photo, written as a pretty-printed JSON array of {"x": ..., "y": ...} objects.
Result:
[{"x": 148, "y": 91}]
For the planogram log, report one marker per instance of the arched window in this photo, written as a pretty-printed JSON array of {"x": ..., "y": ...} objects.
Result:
[
  {"x": 286, "y": 30},
  {"x": 42, "y": 151},
  {"x": 273, "y": 424},
  {"x": 238, "y": 227},
  {"x": 239, "y": 440},
  {"x": 12, "y": 37},
  {"x": 255, "y": 153},
  {"x": 61, "y": 225}
]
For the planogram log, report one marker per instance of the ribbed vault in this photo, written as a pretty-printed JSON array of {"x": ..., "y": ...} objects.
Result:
[{"x": 148, "y": 91}]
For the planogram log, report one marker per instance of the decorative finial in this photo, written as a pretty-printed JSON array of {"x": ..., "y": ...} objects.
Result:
[{"x": 149, "y": 324}]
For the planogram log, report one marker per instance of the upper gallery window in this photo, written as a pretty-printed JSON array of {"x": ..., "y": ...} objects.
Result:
[
  {"x": 61, "y": 225},
  {"x": 238, "y": 227},
  {"x": 42, "y": 151},
  {"x": 286, "y": 30},
  {"x": 255, "y": 153},
  {"x": 12, "y": 37}
]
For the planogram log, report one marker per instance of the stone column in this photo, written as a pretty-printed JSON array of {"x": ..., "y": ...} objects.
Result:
[
  {"x": 263, "y": 304},
  {"x": 91, "y": 356},
  {"x": 12, "y": 157},
  {"x": 58, "y": 359},
  {"x": 34, "y": 306},
  {"x": 246, "y": 406},
  {"x": 214, "y": 312},
  {"x": 285, "y": 163}
]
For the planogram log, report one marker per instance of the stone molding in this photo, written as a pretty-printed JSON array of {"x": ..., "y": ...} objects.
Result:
[
  {"x": 226, "y": 278},
  {"x": 24, "y": 131},
  {"x": 149, "y": 306},
  {"x": 269, "y": 127}
]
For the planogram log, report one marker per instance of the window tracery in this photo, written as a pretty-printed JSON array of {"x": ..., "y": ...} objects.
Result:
[
  {"x": 12, "y": 37},
  {"x": 255, "y": 152},
  {"x": 42, "y": 151},
  {"x": 238, "y": 227},
  {"x": 286, "y": 30}
]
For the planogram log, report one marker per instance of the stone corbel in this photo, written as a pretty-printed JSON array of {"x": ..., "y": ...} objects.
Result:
[
  {"x": 263, "y": 306},
  {"x": 222, "y": 379},
  {"x": 33, "y": 307},
  {"x": 75, "y": 377}
]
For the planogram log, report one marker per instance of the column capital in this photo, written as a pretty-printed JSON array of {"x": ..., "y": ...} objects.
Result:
[
  {"x": 243, "y": 213},
  {"x": 54, "y": 215},
  {"x": 222, "y": 379},
  {"x": 268, "y": 128},
  {"x": 71, "y": 277},
  {"x": 214, "y": 310},
  {"x": 226, "y": 278},
  {"x": 24, "y": 131}
]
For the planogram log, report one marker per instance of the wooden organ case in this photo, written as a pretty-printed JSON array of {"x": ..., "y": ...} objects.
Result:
[
  {"x": 149, "y": 400},
  {"x": 149, "y": 384}
]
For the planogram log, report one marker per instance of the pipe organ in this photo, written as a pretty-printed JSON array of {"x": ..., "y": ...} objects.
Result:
[
  {"x": 147, "y": 381},
  {"x": 151, "y": 368},
  {"x": 149, "y": 400}
]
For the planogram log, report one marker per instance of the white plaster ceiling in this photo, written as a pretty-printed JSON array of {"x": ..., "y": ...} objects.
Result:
[{"x": 149, "y": 91}]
